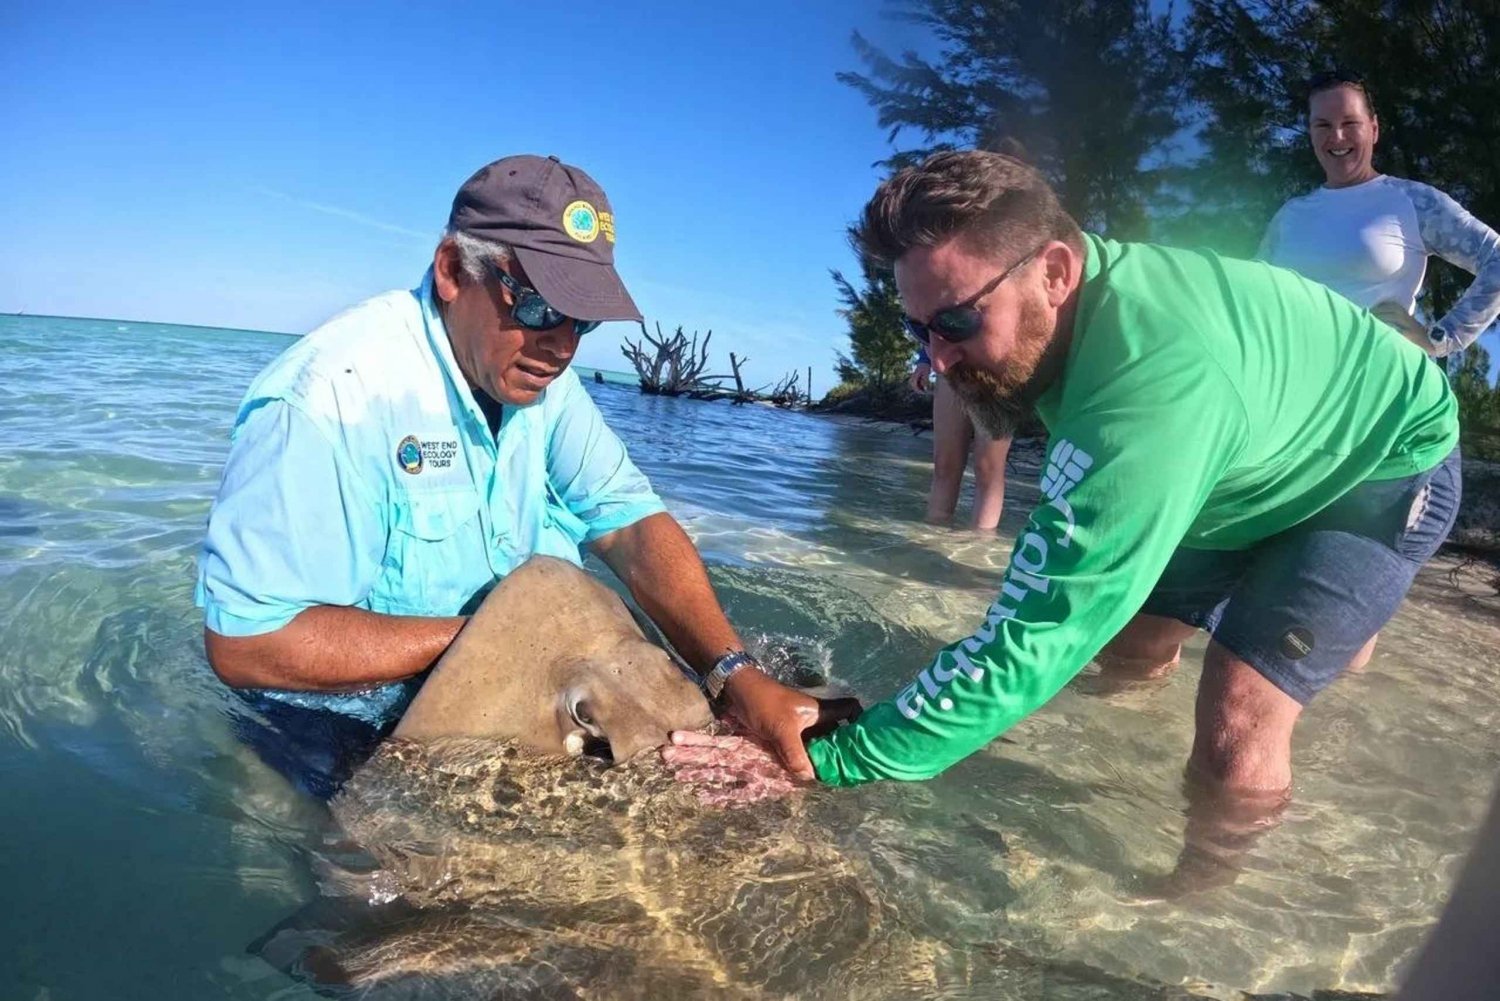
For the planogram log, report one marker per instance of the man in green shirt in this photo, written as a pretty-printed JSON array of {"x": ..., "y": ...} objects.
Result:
[{"x": 1232, "y": 447}]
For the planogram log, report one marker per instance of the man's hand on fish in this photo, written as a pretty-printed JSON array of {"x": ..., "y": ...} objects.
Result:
[
  {"x": 784, "y": 718},
  {"x": 771, "y": 760},
  {"x": 765, "y": 708},
  {"x": 727, "y": 770}
]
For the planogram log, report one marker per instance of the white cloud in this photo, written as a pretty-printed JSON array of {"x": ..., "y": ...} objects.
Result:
[{"x": 348, "y": 214}]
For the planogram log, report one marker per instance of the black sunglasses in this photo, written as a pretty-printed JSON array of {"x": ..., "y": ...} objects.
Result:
[
  {"x": 531, "y": 310},
  {"x": 958, "y": 323}
]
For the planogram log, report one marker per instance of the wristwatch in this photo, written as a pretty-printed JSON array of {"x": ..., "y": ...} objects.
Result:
[{"x": 723, "y": 670}]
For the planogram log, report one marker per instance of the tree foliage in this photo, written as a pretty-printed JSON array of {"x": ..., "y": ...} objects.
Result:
[
  {"x": 880, "y": 350},
  {"x": 1478, "y": 402},
  {"x": 1192, "y": 129},
  {"x": 1092, "y": 90}
]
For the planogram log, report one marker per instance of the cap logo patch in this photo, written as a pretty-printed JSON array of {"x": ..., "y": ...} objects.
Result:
[
  {"x": 581, "y": 222},
  {"x": 409, "y": 454}
]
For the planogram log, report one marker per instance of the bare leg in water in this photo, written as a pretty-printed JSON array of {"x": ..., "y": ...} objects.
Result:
[
  {"x": 989, "y": 480},
  {"x": 953, "y": 434},
  {"x": 1239, "y": 775},
  {"x": 1362, "y": 659},
  {"x": 1147, "y": 649}
]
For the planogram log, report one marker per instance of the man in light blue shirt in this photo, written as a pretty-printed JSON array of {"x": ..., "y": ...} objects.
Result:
[{"x": 391, "y": 466}]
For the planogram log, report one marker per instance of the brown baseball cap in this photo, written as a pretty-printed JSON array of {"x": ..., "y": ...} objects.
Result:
[{"x": 560, "y": 226}]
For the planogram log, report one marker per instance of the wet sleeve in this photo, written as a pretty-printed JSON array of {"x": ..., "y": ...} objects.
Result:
[
  {"x": 589, "y": 471},
  {"x": 1450, "y": 232},
  {"x": 1122, "y": 484},
  {"x": 293, "y": 526}
]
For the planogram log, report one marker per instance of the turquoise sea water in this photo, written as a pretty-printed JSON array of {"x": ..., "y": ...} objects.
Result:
[{"x": 142, "y": 849}]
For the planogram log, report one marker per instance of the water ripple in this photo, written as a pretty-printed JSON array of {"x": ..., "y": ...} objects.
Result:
[{"x": 111, "y": 440}]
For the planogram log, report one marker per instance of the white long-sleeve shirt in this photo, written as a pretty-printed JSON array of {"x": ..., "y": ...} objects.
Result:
[{"x": 1370, "y": 243}]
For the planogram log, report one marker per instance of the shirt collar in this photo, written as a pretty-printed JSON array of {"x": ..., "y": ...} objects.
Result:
[
  {"x": 460, "y": 398},
  {"x": 1050, "y": 402},
  {"x": 1093, "y": 256}
]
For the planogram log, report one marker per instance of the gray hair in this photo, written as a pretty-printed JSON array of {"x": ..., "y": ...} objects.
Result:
[{"x": 474, "y": 251}]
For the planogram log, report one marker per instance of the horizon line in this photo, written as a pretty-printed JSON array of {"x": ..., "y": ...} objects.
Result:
[{"x": 243, "y": 330}]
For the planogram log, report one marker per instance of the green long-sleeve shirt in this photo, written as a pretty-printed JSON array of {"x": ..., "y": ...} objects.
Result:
[{"x": 1206, "y": 402}]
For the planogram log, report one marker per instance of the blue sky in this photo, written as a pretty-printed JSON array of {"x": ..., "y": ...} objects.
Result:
[{"x": 266, "y": 165}]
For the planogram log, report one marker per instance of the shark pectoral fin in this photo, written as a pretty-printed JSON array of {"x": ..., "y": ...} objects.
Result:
[{"x": 306, "y": 945}]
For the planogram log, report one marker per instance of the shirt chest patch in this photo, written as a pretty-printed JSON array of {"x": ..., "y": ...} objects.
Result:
[{"x": 434, "y": 454}]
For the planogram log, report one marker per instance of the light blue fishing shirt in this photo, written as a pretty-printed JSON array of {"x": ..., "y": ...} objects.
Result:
[{"x": 363, "y": 473}]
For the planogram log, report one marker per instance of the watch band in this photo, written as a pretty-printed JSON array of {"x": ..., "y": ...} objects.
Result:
[{"x": 715, "y": 679}]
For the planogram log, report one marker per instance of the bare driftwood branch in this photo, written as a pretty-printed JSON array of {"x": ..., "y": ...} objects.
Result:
[
  {"x": 740, "y": 395},
  {"x": 787, "y": 392},
  {"x": 675, "y": 364}
]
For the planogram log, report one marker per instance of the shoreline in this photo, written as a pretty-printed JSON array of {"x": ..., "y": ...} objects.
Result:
[{"x": 1473, "y": 543}]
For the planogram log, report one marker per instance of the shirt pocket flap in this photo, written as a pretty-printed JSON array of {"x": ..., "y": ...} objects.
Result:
[
  {"x": 434, "y": 515},
  {"x": 559, "y": 515}
]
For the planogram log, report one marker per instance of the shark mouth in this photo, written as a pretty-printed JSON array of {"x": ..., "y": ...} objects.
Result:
[{"x": 583, "y": 744}]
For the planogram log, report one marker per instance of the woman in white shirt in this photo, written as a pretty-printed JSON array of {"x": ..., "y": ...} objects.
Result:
[{"x": 1367, "y": 235}]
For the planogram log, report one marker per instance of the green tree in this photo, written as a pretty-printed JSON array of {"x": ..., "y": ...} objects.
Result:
[
  {"x": 1478, "y": 404},
  {"x": 1246, "y": 64},
  {"x": 1092, "y": 89},
  {"x": 1471, "y": 384},
  {"x": 880, "y": 352}
]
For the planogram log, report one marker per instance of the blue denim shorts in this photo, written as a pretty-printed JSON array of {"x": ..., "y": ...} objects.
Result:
[{"x": 1298, "y": 606}]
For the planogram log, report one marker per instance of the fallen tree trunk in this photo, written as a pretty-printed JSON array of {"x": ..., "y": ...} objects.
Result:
[{"x": 675, "y": 366}]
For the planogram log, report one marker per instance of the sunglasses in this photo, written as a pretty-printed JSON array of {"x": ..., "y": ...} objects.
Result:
[
  {"x": 958, "y": 323},
  {"x": 531, "y": 310}
]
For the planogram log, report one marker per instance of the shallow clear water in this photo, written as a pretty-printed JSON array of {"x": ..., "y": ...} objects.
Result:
[{"x": 141, "y": 848}]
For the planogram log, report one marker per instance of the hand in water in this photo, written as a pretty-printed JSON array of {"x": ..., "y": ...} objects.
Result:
[{"x": 727, "y": 771}]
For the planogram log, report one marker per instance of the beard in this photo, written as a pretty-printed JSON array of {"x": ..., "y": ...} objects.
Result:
[{"x": 1001, "y": 402}]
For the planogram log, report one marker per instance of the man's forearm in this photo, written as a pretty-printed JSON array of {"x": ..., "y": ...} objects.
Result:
[
  {"x": 658, "y": 563},
  {"x": 331, "y": 648}
]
